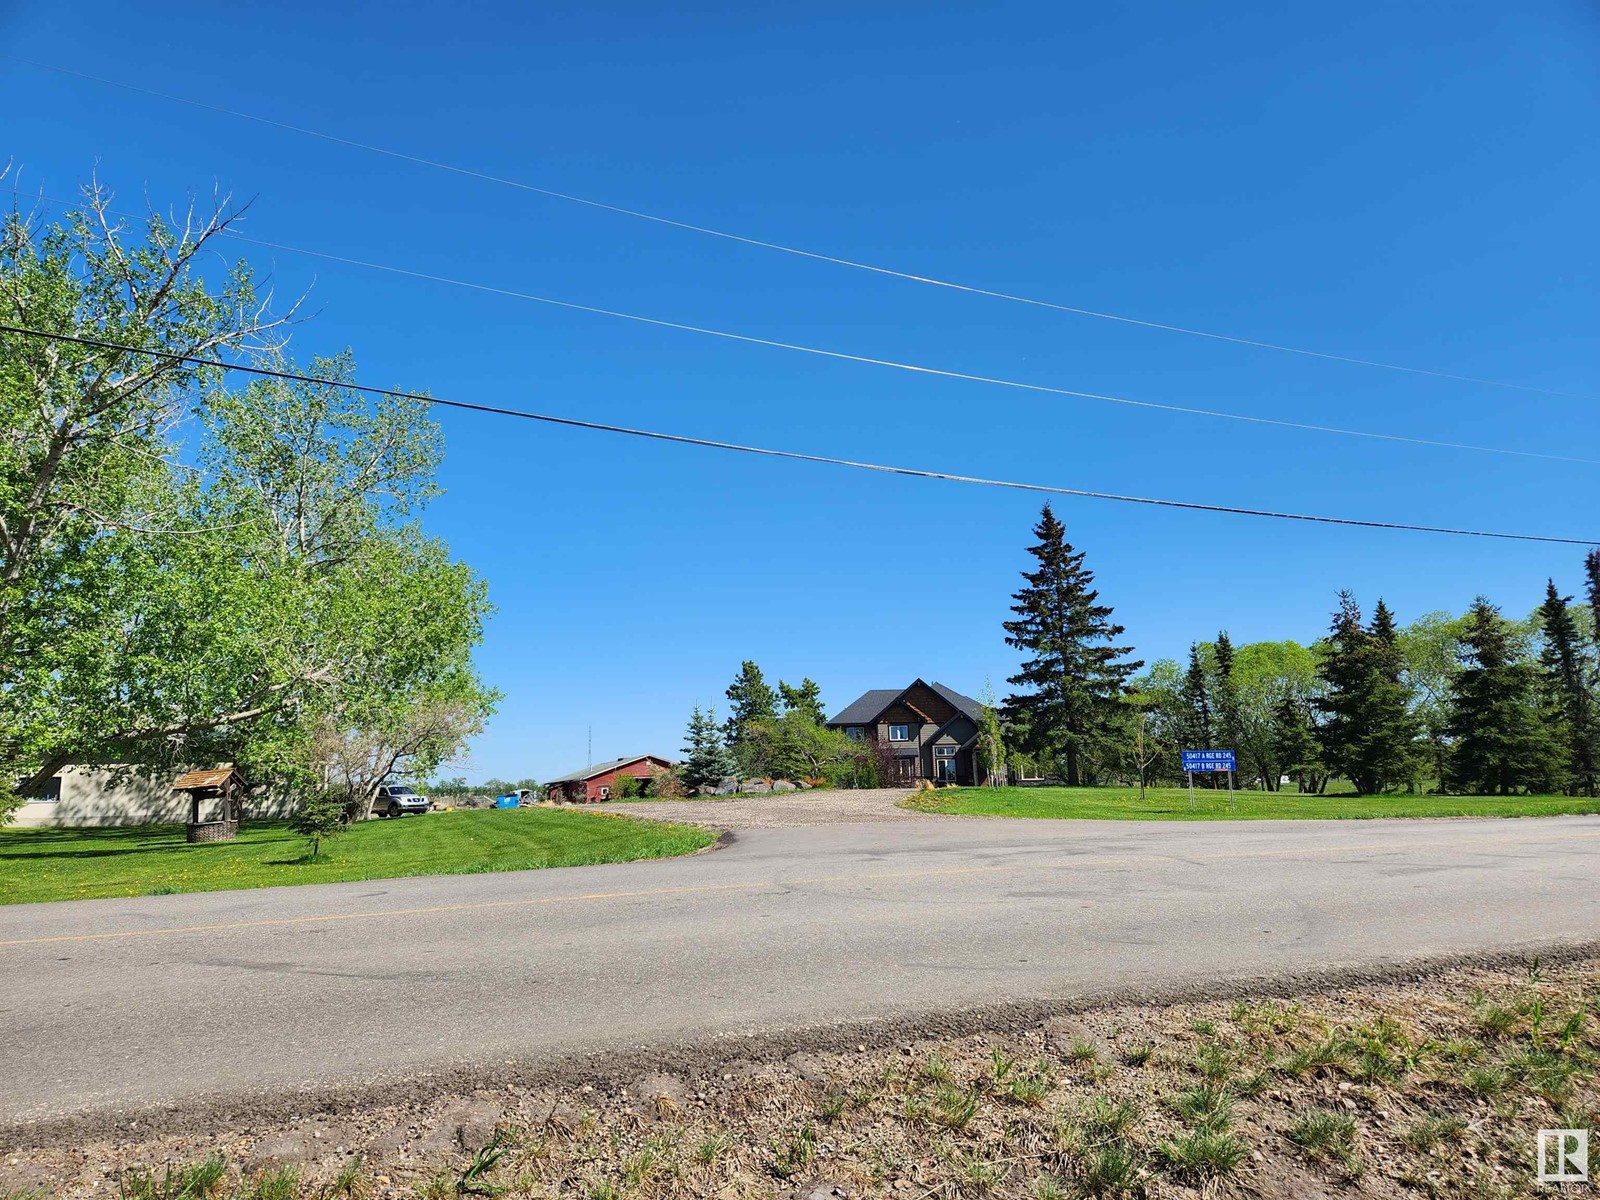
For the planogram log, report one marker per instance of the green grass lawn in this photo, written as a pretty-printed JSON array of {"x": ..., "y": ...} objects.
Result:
[
  {"x": 1172, "y": 804},
  {"x": 83, "y": 864}
]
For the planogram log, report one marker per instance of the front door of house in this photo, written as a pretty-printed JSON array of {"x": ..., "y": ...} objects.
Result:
[{"x": 944, "y": 764}]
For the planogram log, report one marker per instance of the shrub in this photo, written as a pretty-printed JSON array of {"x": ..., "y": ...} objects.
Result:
[
  {"x": 322, "y": 815},
  {"x": 665, "y": 785}
]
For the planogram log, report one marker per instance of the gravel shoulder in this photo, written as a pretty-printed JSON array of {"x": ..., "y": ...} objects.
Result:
[
  {"x": 784, "y": 810},
  {"x": 1422, "y": 1079}
]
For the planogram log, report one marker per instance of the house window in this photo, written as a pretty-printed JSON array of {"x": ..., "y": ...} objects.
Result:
[
  {"x": 49, "y": 791},
  {"x": 944, "y": 764},
  {"x": 855, "y": 733},
  {"x": 605, "y": 793},
  {"x": 899, "y": 733}
]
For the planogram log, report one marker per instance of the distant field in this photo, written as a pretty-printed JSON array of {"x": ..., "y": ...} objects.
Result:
[
  {"x": 1172, "y": 804},
  {"x": 84, "y": 864}
]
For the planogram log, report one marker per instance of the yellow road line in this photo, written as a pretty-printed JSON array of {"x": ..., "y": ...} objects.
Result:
[{"x": 700, "y": 889}]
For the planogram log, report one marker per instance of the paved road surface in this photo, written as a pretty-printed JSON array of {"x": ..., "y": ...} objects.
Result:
[{"x": 112, "y": 1003}]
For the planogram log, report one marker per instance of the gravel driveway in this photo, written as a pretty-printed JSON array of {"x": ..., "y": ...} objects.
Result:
[{"x": 782, "y": 810}]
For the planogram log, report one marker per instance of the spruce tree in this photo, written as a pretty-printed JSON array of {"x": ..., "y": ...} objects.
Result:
[
  {"x": 706, "y": 761},
  {"x": 1393, "y": 728},
  {"x": 805, "y": 700},
  {"x": 1070, "y": 686},
  {"x": 1226, "y": 692},
  {"x": 751, "y": 700},
  {"x": 1294, "y": 746},
  {"x": 1568, "y": 701},
  {"x": 1194, "y": 698},
  {"x": 1346, "y": 670},
  {"x": 1501, "y": 744},
  {"x": 1591, "y": 579},
  {"x": 1368, "y": 730}
]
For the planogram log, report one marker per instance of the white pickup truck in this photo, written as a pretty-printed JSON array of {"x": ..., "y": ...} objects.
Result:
[{"x": 398, "y": 799}]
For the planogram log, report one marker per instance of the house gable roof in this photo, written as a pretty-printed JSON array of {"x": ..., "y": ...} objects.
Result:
[
  {"x": 965, "y": 705},
  {"x": 614, "y": 764},
  {"x": 864, "y": 710},
  {"x": 872, "y": 704}
]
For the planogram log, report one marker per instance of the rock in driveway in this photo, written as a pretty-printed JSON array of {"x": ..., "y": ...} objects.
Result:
[
  {"x": 755, "y": 787},
  {"x": 783, "y": 785}
]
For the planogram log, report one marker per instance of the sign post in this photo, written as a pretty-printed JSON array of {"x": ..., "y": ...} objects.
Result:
[{"x": 1213, "y": 761}]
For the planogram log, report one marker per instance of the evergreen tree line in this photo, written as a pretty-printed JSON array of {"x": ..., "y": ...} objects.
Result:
[
  {"x": 771, "y": 733},
  {"x": 1475, "y": 704}
]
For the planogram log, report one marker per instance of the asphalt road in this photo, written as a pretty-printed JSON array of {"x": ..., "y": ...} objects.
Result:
[{"x": 122, "y": 1004}]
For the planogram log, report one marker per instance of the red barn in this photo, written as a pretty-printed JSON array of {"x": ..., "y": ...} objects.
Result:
[{"x": 596, "y": 783}]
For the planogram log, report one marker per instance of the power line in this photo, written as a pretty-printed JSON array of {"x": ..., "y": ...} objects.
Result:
[
  {"x": 913, "y": 368},
  {"x": 768, "y": 452},
  {"x": 796, "y": 251}
]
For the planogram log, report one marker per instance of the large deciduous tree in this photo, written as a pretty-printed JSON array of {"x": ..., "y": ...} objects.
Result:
[
  {"x": 1068, "y": 705},
  {"x": 87, "y": 468},
  {"x": 1264, "y": 675},
  {"x": 1430, "y": 648},
  {"x": 261, "y": 599}
]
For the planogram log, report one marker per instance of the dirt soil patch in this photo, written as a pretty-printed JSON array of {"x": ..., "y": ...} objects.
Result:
[
  {"x": 782, "y": 810},
  {"x": 1434, "y": 1086}
]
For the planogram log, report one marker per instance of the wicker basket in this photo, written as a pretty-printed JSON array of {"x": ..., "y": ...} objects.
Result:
[{"x": 214, "y": 831}]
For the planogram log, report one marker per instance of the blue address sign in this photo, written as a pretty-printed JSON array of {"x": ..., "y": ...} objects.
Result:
[{"x": 1209, "y": 760}]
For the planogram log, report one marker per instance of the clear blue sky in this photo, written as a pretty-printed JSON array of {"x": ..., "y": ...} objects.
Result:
[{"x": 1414, "y": 183}]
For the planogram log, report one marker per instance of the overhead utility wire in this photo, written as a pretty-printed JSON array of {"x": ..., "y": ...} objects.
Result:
[
  {"x": 914, "y": 368},
  {"x": 768, "y": 452},
  {"x": 797, "y": 251}
]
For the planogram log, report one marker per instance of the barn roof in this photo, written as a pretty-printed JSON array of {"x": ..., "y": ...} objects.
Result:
[{"x": 602, "y": 768}]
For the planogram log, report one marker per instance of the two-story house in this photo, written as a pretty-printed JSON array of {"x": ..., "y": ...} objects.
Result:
[{"x": 931, "y": 729}]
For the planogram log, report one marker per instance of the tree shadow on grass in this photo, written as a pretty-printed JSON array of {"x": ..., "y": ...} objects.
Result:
[{"x": 117, "y": 841}]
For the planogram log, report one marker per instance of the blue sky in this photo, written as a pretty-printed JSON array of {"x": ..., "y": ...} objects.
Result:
[{"x": 1409, "y": 183}]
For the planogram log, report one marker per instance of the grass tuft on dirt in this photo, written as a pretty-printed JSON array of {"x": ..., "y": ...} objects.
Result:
[
  {"x": 1172, "y": 804},
  {"x": 154, "y": 860}
]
